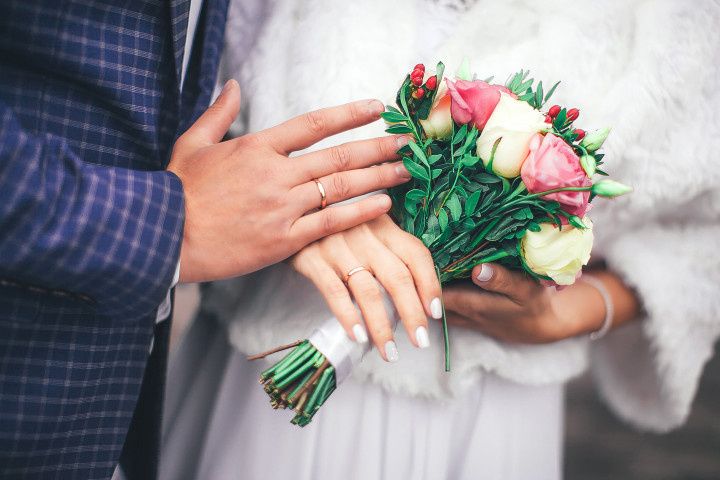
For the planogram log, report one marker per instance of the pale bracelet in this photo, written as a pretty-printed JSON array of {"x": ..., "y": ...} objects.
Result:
[{"x": 609, "y": 307}]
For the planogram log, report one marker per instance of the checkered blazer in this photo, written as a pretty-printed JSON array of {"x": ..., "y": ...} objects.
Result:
[{"x": 90, "y": 223}]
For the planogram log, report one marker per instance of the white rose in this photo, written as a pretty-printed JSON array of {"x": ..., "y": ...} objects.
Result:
[
  {"x": 558, "y": 254},
  {"x": 515, "y": 121},
  {"x": 439, "y": 123}
]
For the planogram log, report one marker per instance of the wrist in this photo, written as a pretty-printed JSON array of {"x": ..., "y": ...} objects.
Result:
[{"x": 580, "y": 308}]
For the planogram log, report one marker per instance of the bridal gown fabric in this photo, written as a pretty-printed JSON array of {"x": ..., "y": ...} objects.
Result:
[{"x": 220, "y": 426}]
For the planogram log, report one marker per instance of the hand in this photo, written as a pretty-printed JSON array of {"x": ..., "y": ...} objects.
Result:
[
  {"x": 394, "y": 258},
  {"x": 247, "y": 203},
  {"x": 513, "y": 307}
]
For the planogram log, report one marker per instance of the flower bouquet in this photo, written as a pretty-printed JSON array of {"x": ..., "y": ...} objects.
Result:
[{"x": 496, "y": 177}]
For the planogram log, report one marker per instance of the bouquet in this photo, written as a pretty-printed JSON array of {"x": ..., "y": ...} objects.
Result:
[{"x": 496, "y": 177}]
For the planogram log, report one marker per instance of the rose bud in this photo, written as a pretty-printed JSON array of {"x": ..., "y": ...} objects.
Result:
[
  {"x": 439, "y": 123},
  {"x": 558, "y": 253},
  {"x": 595, "y": 140},
  {"x": 417, "y": 80},
  {"x": 419, "y": 93},
  {"x": 580, "y": 133},
  {"x": 554, "y": 111},
  {"x": 420, "y": 67},
  {"x": 610, "y": 188},
  {"x": 548, "y": 119},
  {"x": 573, "y": 114},
  {"x": 431, "y": 83}
]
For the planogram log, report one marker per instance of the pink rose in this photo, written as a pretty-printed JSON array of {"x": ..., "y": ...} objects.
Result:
[
  {"x": 552, "y": 164},
  {"x": 474, "y": 101}
]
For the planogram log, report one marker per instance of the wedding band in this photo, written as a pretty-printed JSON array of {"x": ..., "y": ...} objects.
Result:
[
  {"x": 353, "y": 272},
  {"x": 323, "y": 195}
]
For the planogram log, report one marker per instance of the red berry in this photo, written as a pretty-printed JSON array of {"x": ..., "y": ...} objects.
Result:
[
  {"x": 554, "y": 111},
  {"x": 419, "y": 93},
  {"x": 420, "y": 67},
  {"x": 431, "y": 83},
  {"x": 417, "y": 80},
  {"x": 548, "y": 119},
  {"x": 580, "y": 134},
  {"x": 573, "y": 114}
]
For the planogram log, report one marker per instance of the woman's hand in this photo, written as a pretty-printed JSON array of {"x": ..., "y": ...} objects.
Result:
[
  {"x": 513, "y": 307},
  {"x": 392, "y": 258}
]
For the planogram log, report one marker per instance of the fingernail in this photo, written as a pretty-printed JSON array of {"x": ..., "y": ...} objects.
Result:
[
  {"x": 384, "y": 201},
  {"x": 391, "y": 351},
  {"x": 421, "y": 337},
  {"x": 402, "y": 171},
  {"x": 360, "y": 333},
  {"x": 402, "y": 140},
  {"x": 436, "y": 308},
  {"x": 375, "y": 107},
  {"x": 486, "y": 273},
  {"x": 225, "y": 89}
]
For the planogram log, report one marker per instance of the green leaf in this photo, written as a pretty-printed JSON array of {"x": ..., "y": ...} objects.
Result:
[
  {"x": 472, "y": 202},
  {"x": 443, "y": 219},
  {"x": 415, "y": 170},
  {"x": 390, "y": 108},
  {"x": 539, "y": 95},
  {"x": 411, "y": 206},
  {"x": 460, "y": 135},
  {"x": 589, "y": 164},
  {"x": 470, "y": 160},
  {"x": 436, "y": 173},
  {"x": 434, "y": 158},
  {"x": 415, "y": 195},
  {"x": 453, "y": 204},
  {"x": 418, "y": 152},
  {"x": 576, "y": 222},
  {"x": 392, "y": 117},
  {"x": 505, "y": 185},
  {"x": 550, "y": 92},
  {"x": 398, "y": 129}
]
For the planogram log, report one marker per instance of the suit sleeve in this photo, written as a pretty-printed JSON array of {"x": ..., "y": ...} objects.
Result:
[{"x": 110, "y": 234}]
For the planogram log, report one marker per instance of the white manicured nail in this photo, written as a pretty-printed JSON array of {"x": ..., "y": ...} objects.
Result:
[
  {"x": 486, "y": 273},
  {"x": 360, "y": 333},
  {"x": 421, "y": 337},
  {"x": 391, "y": 351},
  {"x": 436, "y": 308}
]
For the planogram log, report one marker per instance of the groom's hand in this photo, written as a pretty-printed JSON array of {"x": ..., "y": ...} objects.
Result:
[{"x": 247, "y": 203}]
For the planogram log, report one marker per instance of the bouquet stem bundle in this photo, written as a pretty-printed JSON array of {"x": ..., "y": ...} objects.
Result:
[{"x": 302, "y": 381}]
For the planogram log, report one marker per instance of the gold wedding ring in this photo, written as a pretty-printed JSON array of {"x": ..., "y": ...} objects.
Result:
[
  {"x": 353, "y": 272},
  {"x": 323, "y": 195}
]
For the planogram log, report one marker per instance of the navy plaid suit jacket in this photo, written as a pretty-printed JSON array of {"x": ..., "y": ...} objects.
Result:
[{"x": 90, "y": 223}]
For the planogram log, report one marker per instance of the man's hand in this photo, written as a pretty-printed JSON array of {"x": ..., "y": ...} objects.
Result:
[{"x": 247, "y": 203}]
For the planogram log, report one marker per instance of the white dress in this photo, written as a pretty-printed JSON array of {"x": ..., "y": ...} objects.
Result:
[{"x": 220, "y": 426}]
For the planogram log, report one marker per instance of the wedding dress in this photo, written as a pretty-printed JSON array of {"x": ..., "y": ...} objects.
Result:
[{"x": 647, "y": 68}]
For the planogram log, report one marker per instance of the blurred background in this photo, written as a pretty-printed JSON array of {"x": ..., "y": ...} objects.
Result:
[{"x": 598, "y": 446}]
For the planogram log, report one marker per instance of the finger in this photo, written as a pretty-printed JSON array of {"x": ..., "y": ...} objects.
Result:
[
  {"x": 349, "y": 156},
  {"x": 517, "y": 286},
  {"x": 367, "y": 295},
  {"x": 309, "y": 228},
  {"x": 413, "y": 252},
  {"x": 212, "y": 125},
  {"x": 466, "y": 300},
  {"x": 396, "y": 278},
  {"x": 345, "y": 185},
  {"x": 335, "y": 292},
  {"x": 458, "y": 320},
  {"x": 305, "y": 130}
]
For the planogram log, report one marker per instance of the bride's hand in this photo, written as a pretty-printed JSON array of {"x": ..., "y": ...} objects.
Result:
[
  {"x": 394, "y": 258},
  {"x": 513, "y": 307}
]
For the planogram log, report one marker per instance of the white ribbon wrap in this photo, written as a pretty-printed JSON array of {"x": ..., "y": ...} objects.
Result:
[{"x": 343, "y": 353}]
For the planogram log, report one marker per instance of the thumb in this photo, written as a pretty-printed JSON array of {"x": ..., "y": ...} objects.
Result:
[
  {"x": 497, "y": 279},
  {"x": 212, "y": 125}
]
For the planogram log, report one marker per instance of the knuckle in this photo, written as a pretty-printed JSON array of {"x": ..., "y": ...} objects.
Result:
[
  {"x": 340, "y": 157},
  {"x": 315, "y": 122},
  {"x": 401, "y": 278},
  {"x": 367, "y": 290},
  {"x": 329, "y": 222},
  {"x": 356, "y": 115},
  {"x": 336, "y": 290},
  {"x": 341, "y": 186}
]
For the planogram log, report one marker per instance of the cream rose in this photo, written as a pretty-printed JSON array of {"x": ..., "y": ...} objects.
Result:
[
  {"x": 439, "y": 123},
  {"x": 516, "y": 122},
  {"x": 558, "y": 254}
]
